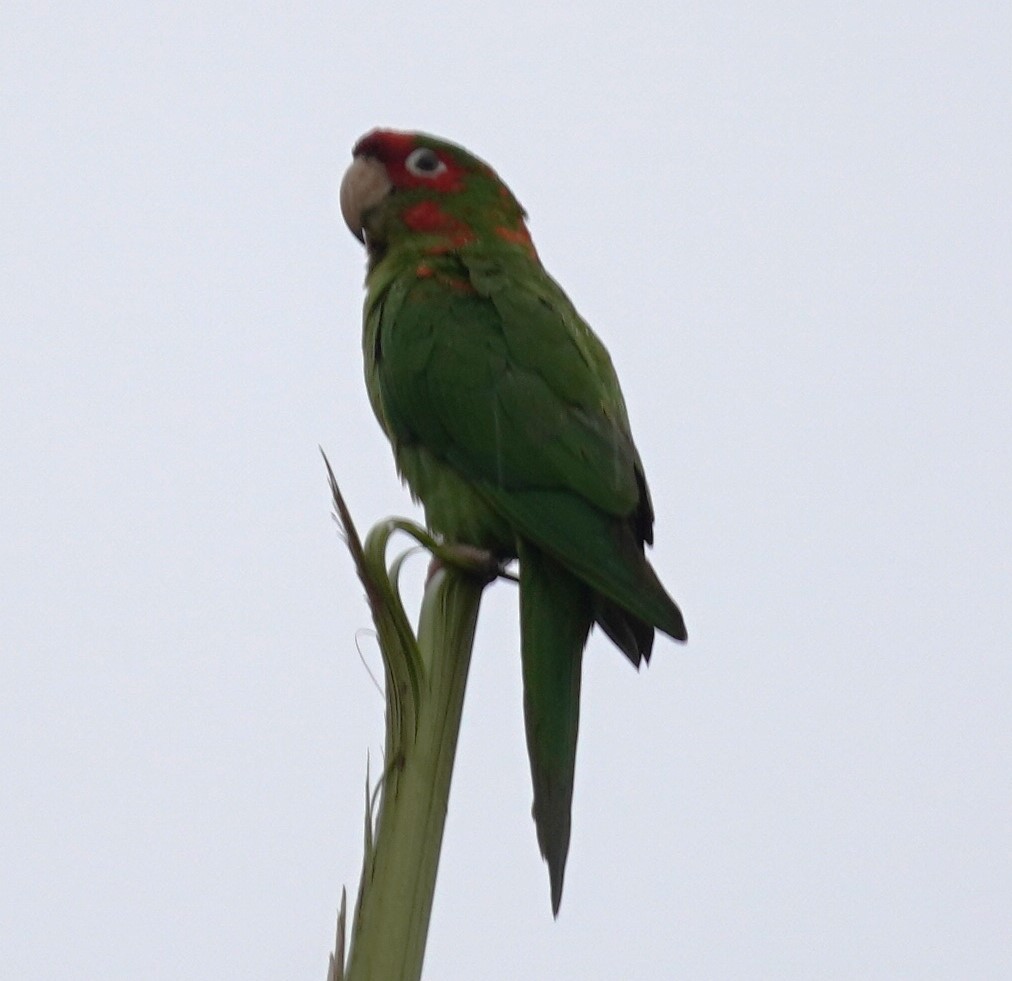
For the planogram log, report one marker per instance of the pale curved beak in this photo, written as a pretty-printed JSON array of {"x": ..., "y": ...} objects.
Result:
[{"x": 364, "y": 185}]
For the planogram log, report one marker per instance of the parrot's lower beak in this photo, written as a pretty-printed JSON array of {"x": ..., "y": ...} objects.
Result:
[{"x": 365, "y": 184}]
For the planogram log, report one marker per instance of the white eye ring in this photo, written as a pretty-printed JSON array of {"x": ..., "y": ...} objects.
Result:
[{"x": 423, "y": 162}]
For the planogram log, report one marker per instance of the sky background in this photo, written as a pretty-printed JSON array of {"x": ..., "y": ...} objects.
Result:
[{"x": 791, "y": 225}]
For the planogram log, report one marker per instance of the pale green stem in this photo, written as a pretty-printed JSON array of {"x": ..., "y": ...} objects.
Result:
[
  {"x": 399, "y": 877},
  {"x": 425, "y": 681}
]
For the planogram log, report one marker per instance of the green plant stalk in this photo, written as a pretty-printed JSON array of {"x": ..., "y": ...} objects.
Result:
[
  {"x": 425, "y": 681},
  {"x": 399, "y": 875}
]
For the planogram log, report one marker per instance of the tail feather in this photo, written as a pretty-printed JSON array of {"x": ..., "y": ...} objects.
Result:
[
  {"x": 599, "y": 548},
  {"x": 556, "y": 612},
  {"x": 632, "y": 636}
]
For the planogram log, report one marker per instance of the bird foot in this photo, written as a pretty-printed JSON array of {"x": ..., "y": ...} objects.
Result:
[{"x": 479, "y": 562}]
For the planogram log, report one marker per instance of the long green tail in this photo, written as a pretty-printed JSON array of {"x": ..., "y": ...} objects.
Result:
[{"x": 556, "y": 612}]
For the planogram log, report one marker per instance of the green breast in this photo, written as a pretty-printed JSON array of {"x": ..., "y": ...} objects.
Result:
[{"x": 453, "y": 508}]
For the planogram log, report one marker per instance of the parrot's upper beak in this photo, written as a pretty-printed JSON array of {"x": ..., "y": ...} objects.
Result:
[{"x": 365, "y": 184}]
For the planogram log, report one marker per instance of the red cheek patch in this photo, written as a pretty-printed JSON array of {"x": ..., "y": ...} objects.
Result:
[{"x": 427, "y": 218}]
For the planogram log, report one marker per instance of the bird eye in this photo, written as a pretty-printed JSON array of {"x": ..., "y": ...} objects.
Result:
[{"x": 424, "y": 162}]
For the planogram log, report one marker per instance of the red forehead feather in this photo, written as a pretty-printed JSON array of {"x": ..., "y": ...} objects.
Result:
[
  {"x": 385, "y": 143},
  {"x": 392, "y": 147}
]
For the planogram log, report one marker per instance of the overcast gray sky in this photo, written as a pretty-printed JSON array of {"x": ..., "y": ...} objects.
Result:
[{"x": 790, "y": 223}]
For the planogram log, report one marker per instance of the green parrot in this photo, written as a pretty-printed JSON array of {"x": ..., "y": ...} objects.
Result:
[{"x": 508, "y": 424}]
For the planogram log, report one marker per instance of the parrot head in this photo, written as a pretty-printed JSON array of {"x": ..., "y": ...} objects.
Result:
[{"x": 414, "y": 190}]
